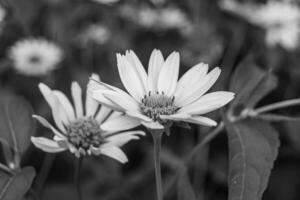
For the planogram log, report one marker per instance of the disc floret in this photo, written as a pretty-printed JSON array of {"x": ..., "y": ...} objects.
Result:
[{"x": 155, "y": 104}]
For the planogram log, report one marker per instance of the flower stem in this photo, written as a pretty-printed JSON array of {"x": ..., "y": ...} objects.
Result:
[
  {"x": 274, "y": 106},
  {"x": 157, "y": 135},
  {"x": 77, "y": 178}
]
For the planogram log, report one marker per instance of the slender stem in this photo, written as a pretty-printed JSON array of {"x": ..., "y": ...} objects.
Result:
[
  {"x": 77, "y": 178},
  {"x": 157, "y": 135},
  {"x": 274, "y": 106},
  {"x": 43, "y": 175}
]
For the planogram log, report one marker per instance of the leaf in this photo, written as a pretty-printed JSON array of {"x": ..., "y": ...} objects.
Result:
[
  {"x": 253, "y": 148},
  {"x": 14, "y": 187},
  {"x": 16, "y": 123},
  {"x": 251, "y": 84},
  {"x": 184, "y": 187}
]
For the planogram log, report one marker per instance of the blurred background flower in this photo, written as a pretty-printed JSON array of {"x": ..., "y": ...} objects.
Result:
[{"x": 35, "y": 56}]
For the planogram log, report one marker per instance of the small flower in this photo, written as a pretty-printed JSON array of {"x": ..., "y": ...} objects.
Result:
[
  {"x": 281, "y": 20},
  {"x": 95, "y": 33},
  {"x": 35, "y": 57},
  {"x": 89, "y": 131},
  {"x": 157, "y": 98},
  {"x": 107, "y": 2}
]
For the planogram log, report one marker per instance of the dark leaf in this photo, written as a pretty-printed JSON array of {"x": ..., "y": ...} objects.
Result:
[
  {"x": 16, "y": 123},
  {"x": 14, "y": 187},
  {"x": 251, "y": 84},
  {"x": 253, "y": 148}
]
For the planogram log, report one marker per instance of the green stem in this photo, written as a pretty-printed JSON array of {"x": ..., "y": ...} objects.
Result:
[
  {"x": 274, "y": 106},
  {"x": 77, "y": 178},
  {"x": 157, "y": 135}
]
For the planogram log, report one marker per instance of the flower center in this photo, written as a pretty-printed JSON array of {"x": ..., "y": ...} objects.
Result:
[
  {"x": 154, "y": 105},
  {"x": 85, "y": 133},
  {"x": 35, "y": 59}
]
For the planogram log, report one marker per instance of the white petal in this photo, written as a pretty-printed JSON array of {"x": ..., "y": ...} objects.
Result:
[
  {"x": 47, "y": 145},
  {"x": 45, "y": 123},
  {"x": 139, "y": 116},
  {"x": 66, "y": 104},
  {"x": 152, "y": 125},
  {"x": 114, "y": 114},
  {"x": 205, "y": 121},
  {"x": 199, "y": 89},
  {"x": 168, "y": 75},
  {"x": 130, "y": 78},
  {"x": 58, "y": 113},
  {"x": 156, "y": 62},
  {"x": 99, "y": 97},
  {"x": 208, "y": 103},
  {"x": 190, "y": 79},
  {"x": 121, "y": 139},
  {"x": 115, "y": 153},
  {"x": 176, "y": 117},
  {"x": 135, "y": 61},
  {"x": 77, "y": 97},
  {"x": 103, "y": 113},
  {"x": 120, "y": 123},
  {"x": 91, "y": 105},
  {"x": 125, "y": 102}
]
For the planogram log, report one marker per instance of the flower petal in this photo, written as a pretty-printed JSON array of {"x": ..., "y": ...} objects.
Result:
[
  {"x": 139, "y": 116},
  {"x": 102, "y": 114},
  {"x": 168, "y": 75},
  {"x": 152, "y": 125},
  {"x": 91, "y": 105},
  {"x": 45, "y": 123},
  {"x": 99, "y": 97},
  {"x": 208, "y": 103},
  {"x": 58, "y": 113},
  {"x": 135, "y": 61},
  {"x": 66, "y": 104},
  {"x": 114, "y": 152},
  {"x": 47, "y": 145},
  {"x": 205, "y": 121},
  {"x": 176, "y": 117},
  {"x": 120, "y": 123},
  {"x": 77, "y": 97},
  {"x": 114, "y": 114},
  {"x": 125, "y": 102},
  {"x": 121, "y": 139},
  {"x": 198, "y": 90},
  {"x": 156, "y": 62},
  {"x": 130, "y": 78},
  {"x": 190, "y": 79}
]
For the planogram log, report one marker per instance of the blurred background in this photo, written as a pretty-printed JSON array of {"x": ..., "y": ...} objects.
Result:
[{"x": 59, "y": 41}]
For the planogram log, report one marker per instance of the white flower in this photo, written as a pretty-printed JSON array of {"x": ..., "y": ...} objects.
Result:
[
  {"x": 107, "y": 2},
  {"x": 35, "y": 57},
  {"x": 158, "y": 98},
  {"x": 95, "y": 33},
  {"x": 2, "y": 13},
  {"x": 281, "y": 20},
  {"x": 85, "y": 131}
]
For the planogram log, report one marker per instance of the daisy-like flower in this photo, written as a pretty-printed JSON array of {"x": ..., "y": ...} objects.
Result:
[
  {"x": 106, "y": 2},
  {"x": 92, "y": 130},
  {"x": 281, "y": 20},
  {"x": 95, "y": 33},
  {"x": 158, "y": 98},
  {"x": 35, "y": 56}
]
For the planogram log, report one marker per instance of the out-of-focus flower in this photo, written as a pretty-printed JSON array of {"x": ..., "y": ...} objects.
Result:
[
  {"x": 85, "y": 131},
  {"x": 95, "y": 33},
  {"x": 158, "y": 98},
  {"x": 281, "y": 20},
  {"x": 35, "y": 57},
  {"x": 2, "y": 13},
  {"x": 107, "y": 2},
  {"x": 160, "y": 19}
]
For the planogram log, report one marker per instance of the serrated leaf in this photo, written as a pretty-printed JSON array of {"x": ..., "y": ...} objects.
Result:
[
  {"x": 16, "y": 123},
  {"x": 253, "y": 148},
  {"x": 251, "y": 84},
  {"x": 14, "y": 187}
]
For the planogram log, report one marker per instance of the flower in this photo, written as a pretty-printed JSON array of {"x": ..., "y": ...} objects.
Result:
[
  {"x": 157, "y": 98},
  {"x": 95, "y": 33},
  {"x": 107, "y": 2},
  {"x": 89, "y": 131},
  {"x": 35, "y": 56},
  {"x": 281, "y": 20}
]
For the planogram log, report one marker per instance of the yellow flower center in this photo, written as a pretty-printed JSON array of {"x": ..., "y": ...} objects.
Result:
[
  {"x": 84, "y": 133},
  {"x": 154, "y": 105}
]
